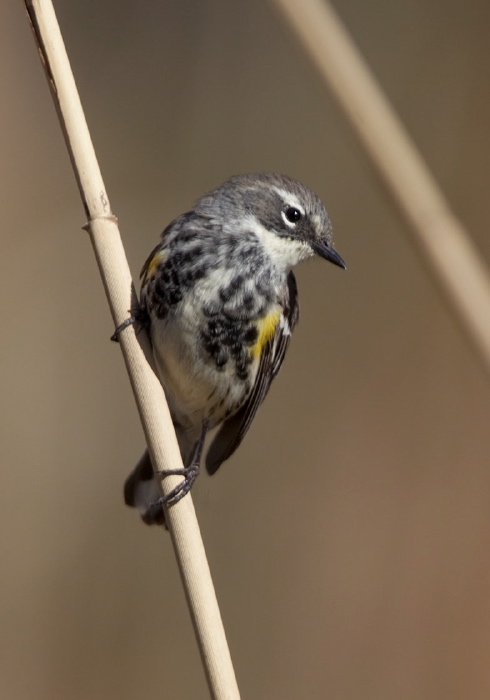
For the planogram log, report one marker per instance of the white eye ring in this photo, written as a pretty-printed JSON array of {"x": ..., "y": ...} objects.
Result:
[{"x": 291, "y": 215}]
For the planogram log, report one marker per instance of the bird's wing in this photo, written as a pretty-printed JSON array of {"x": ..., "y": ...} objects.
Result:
[{"x": 234, "y": 428}]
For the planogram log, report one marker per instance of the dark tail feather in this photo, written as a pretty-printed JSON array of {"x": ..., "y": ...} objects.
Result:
[
  {"x": 227, "y": 439},
  {"x": 141, "y": 490},
  {"x": 143, "y": 471}
]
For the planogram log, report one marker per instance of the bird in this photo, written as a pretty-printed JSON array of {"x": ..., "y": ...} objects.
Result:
[{"x": 220, "y": 301}]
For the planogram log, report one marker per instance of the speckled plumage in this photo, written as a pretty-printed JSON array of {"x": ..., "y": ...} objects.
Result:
[{"x": 221, "y": 300}]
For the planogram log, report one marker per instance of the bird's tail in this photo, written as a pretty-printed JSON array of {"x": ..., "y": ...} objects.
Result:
[{"x": 141, "y": 489}]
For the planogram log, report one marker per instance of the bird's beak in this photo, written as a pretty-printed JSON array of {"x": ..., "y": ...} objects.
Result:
[{"x": 328, "y": 253}]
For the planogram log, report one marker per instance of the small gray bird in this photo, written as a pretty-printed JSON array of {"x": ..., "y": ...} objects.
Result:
[{"x": 220, "y": 301}]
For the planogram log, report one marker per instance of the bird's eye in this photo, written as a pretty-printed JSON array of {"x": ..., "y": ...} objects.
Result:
[{"x": 292, "y": 214}]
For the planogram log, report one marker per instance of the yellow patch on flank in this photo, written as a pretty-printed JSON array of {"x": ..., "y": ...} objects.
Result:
[
  {"x": 266, "y": 327},
  {"x": 154, "y": 262}
]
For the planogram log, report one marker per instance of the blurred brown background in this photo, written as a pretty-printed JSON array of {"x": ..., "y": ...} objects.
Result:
[{"x": 349, "y": 538}]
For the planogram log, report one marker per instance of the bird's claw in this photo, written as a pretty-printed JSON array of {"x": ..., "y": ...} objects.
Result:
[
  {"x": 182, "y": 489},
  {"x": 139, "y": 316},
  {"x": 127, "y": 322}
]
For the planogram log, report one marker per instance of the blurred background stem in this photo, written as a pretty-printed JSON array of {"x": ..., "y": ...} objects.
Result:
[{"x": 445, "y": 245}]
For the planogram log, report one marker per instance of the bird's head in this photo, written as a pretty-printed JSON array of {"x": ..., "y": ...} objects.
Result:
[{"x": 289, "y": 219}]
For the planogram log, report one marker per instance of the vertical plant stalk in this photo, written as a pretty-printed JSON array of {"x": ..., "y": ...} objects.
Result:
[
  {"x": 148, "y": 392},
  {"x": 441, "y": 238}
]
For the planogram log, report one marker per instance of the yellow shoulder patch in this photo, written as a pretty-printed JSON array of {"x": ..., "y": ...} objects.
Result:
[
  {"x": 158, "y": 258},
  {"x": 266, "y": 327}
]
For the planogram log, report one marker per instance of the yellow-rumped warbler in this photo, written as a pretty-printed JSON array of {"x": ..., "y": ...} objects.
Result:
[{"x": 220, "y": 301}]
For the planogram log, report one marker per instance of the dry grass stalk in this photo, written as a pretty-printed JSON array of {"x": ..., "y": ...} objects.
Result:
[
  {"x": 441, "y": 238},
  {"x": 150, "y": 399}
]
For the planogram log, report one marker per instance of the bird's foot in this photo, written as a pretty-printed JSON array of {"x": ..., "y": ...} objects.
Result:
[
  {"x": 189, "y": 473},
  {"x": 139, "y": 316},
  {"x": 182, "y": 489},
  {"x": 125, "y": 324}
]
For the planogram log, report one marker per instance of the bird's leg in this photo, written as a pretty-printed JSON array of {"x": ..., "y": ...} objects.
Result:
[
  {"x": 127, "y": 322},
  {"x": 189, "y": 473},
  {"x": 139, "y": 316}
]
